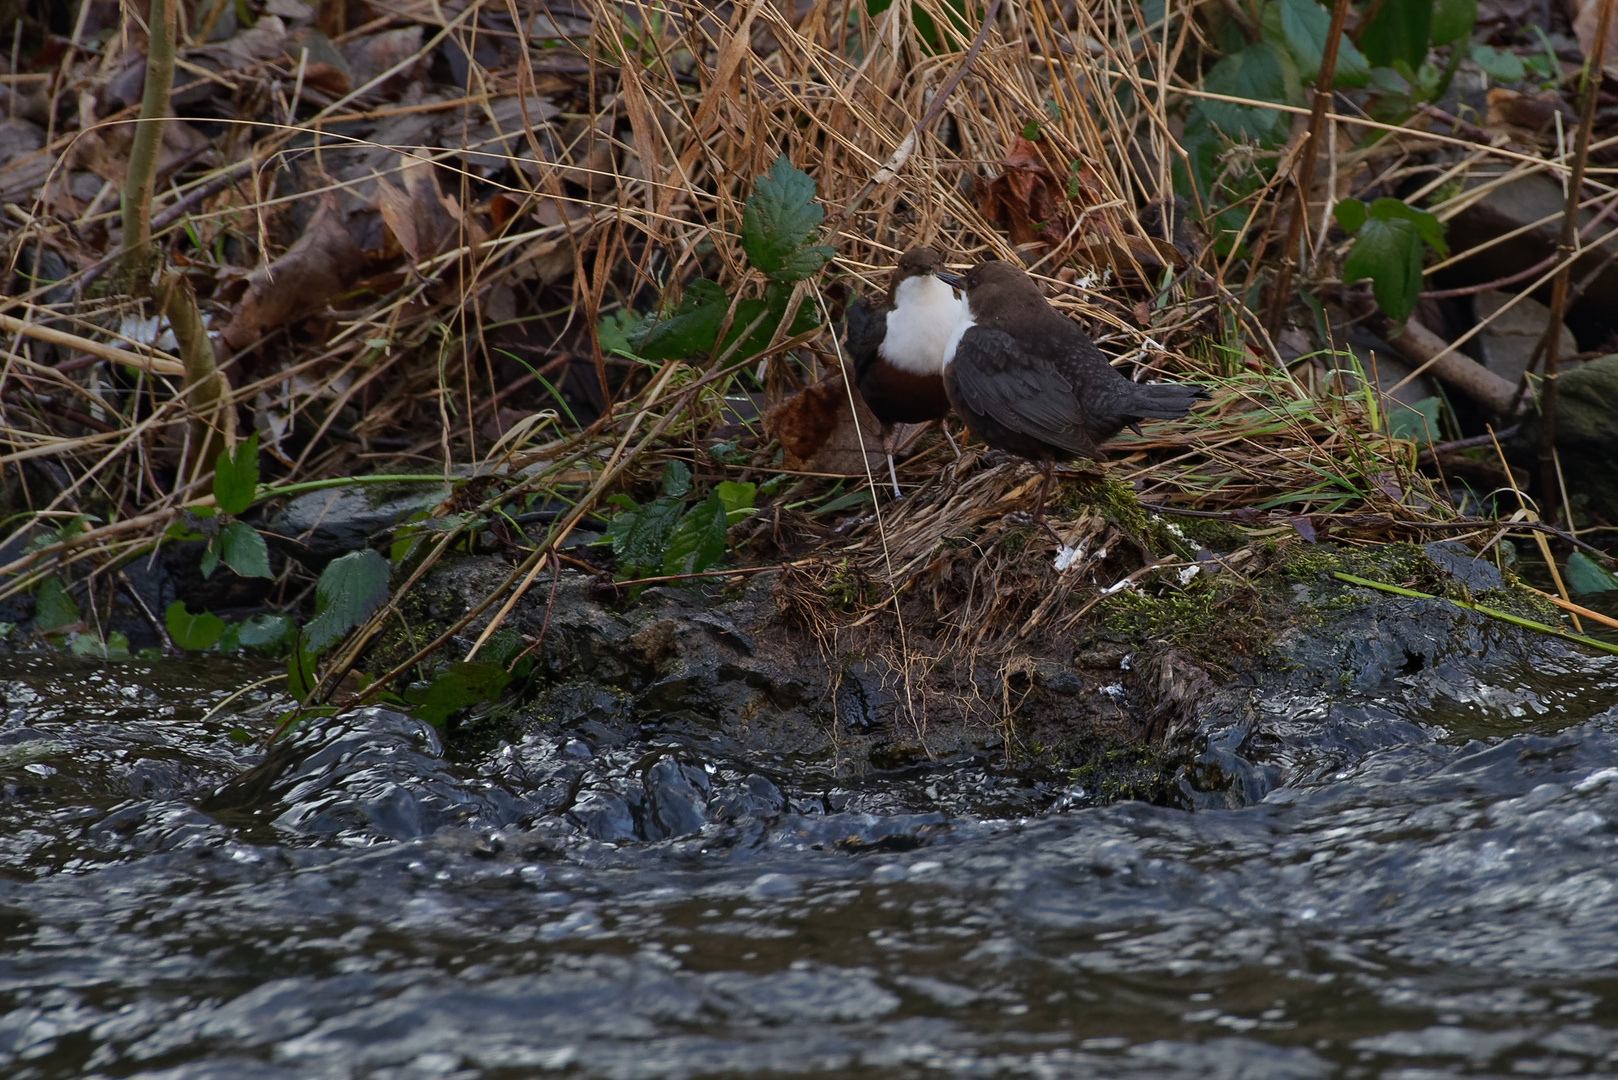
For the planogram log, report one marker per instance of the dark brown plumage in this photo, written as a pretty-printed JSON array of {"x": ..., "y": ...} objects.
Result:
[
  {"x": 1027, "y": 379},
  {"x": 897, "y": 346}
]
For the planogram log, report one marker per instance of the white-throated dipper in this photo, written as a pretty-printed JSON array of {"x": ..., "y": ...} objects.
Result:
[
  {"x": 1027, "y": 379},
  {"x": 898, "y": 346}
]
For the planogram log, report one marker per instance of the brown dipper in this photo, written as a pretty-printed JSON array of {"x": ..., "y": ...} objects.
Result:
[
  {"x": 898, "y": 346},
  {"x": 1027, "y": 379}
]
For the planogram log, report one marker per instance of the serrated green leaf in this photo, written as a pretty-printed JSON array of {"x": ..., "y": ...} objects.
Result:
[
  {"x": 692, "y": 329},
  {"x": 1417, "y": 422},
  {"x": 1350, "y": 214},
  {"x": 1398, "y": 31},
  {"x": 1389, "y": 252},
  {"x": 53, "y": 607},
  {"x": 640, "y": 536},
  {"x": 240, "y": 547},
  {"x": 192, "y": 632},
  {"x": 737, "y": 497},
  {"x": 459, "y": 686},
  {"x": 1302, "y": 26},
  {"x": 1499, "y": 64},
  {"x": 1427, "y": 225},
  {"x": 267, "y": 633},
  {"x": 349, "y": 589},
  {"x": 779, "y": 221},
  {"x": 676, "y": 478},
  {"x": 235, "y": 477},
  {"x": 621, "y": 332},
  {"x": 1452, "y": 20},
  {"x": 116, "y": 647},
  {"x": 699, "y": 540},
  {"x": 1585, "y": 575},
  {"x": 1260, "y": 72},
  {"x": 209, "y": 561}
]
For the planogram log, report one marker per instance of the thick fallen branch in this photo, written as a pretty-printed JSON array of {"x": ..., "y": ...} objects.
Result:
[{"x": 1429, "y": 352}]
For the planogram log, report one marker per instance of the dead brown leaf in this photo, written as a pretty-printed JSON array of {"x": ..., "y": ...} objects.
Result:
[
  {"x": 324, "y": 262},
  {"x": 818, "y": 433},
  {"x": 1585, "y": 13},
  {"x": 424, "y": 222}
]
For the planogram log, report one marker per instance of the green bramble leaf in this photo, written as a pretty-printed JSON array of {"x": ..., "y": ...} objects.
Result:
[
  {"x": 192, "y": 632},
  {"x": 1260, "y": 72},
  {"x": 240, "y": 547},
  {"x": 1389, "y": 240},
  {"x": 266, "y": 633},
  {"x": 738, "y": 499},
  {"x": 1499, "y": 64},
  {"x": 699, "y": 540},
  {"x": 1389, "y": 253},
  {"x": 676, "y": 478},
  {"x": 235, "y": 477},
  {"x": 1452, "y": 20},
  {"x": 1302, "y": 26},
  {"x": 1398, "y": 31},
  {"x": 53, "y": 607},
  {"x": 1418, "y": 422},
  {"x": 779, "y": 221},
  {"x": 692, "y": 328},
  {"x": 459, "y": 686},
  {"x": 1350, "y": 214},
  {"x": 1585, "y": 575},
  {"x": 640, "y": 535},
  {"x": 349, "y": 589}
]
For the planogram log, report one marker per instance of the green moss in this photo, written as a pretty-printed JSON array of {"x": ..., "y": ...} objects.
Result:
[
  {"x": 1215, "y": 619},
  {"x": 1135, "y": 772}
]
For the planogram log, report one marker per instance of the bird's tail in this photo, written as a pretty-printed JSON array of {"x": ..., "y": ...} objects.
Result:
[{"x": 1162, "y": 401}]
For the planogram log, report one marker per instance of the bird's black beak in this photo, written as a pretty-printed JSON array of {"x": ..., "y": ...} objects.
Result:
[{"x": 948, "y": 278}]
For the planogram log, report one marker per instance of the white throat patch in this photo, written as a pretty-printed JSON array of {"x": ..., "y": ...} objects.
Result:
[{"x": 924, "y": 317}]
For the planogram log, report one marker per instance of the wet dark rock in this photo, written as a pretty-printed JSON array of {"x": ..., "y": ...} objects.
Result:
[
  {"x": 1515, "y": 225},
  {"x": 321, "y": 525},
  {"x": 1464, "y": 565},
  {"x": 1586, "y": 432}
]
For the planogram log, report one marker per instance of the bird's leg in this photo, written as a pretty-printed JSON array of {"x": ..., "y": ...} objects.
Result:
[
  {"x": 1047, "y": 472},
  {"x": 893, "y": 474}
]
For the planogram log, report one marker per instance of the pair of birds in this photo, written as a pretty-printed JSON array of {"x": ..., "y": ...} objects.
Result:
[{"x": 1024, "y": 377}]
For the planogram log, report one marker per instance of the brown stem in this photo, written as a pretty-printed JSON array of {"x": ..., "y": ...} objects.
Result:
[
  {"x": 141, "y": 178},
  {"x": 1306, "y": 168},
  {"x": 206, "y": 392},
  {"x": 213, "y": 420},
  {"x": 1593, "y": 67}
]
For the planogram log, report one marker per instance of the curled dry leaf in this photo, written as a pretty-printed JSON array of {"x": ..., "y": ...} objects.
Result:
[
  {"x": 324, "y": 262},
  {"x": 1585, "y": 13},
  {"x": 421, "y": 219},
  {"x": 818, "y": 433},
  {"x": 1027, "y": 199},
  {"x": 1036, "y": 207}
]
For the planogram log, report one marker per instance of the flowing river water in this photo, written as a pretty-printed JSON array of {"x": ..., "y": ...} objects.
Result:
[{"x": 1426, "y": 886}]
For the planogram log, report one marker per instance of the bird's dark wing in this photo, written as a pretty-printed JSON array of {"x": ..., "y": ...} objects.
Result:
[
  {"x": 998, "y": 379},
  {"x": 867, "y": 327}
]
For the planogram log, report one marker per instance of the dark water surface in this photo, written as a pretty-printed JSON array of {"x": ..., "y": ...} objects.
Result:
[{"x": 1431, "y": 891}]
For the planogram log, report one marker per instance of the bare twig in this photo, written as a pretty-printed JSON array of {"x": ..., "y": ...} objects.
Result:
[
  {"x": 1306, "y": 167},
  {"x": 1593, "y": 68}
]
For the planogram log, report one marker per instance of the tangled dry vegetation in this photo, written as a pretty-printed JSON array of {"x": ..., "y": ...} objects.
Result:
[{"x": 419, "y": 232}]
